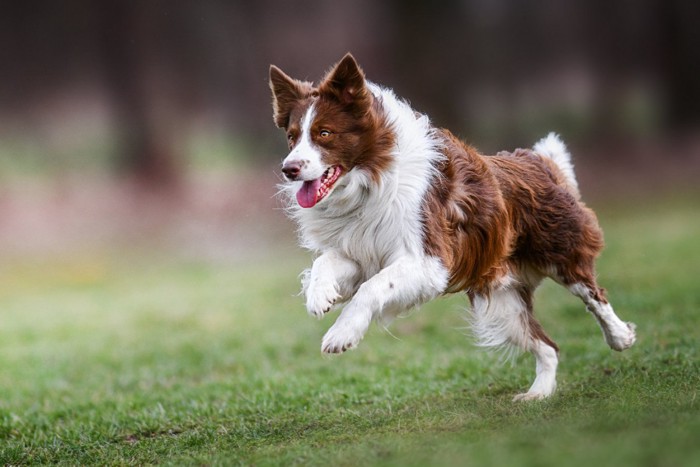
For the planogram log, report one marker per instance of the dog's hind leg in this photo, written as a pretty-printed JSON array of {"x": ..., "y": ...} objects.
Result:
[
  {"x": 618, "y": 334},
  {"x": 504, "y": 317},
  {"x": 545, "y": 351}
]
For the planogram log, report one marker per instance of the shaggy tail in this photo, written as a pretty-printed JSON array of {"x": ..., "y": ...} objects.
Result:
[{"x": 553, "y": 147}]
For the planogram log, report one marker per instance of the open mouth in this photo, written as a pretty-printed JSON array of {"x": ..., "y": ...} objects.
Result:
[{"x": 313, "y": 191}]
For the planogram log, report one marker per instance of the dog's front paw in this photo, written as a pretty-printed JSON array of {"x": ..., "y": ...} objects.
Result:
[
  {"x": 320, "y": 298},
  {"x": 342, "y": 336},
  {"x": 338, "y": 341}
]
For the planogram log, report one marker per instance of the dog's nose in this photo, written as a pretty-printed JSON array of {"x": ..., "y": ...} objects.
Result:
[{"x": 292, "y": 169}]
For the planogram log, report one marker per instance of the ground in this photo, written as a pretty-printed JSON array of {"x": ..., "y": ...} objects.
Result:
[{"x": 166, "y": 347}]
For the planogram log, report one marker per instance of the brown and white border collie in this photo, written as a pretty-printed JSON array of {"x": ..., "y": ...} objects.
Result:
[{"x": 401, "y": 212}]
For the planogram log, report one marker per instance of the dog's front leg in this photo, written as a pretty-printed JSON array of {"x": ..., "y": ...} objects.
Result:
[
  {"x": 331, "y": 277},
  {"x": 403, "y": 284}
]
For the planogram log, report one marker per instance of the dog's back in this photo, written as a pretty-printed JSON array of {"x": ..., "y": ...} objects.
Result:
[{"x": 553, "y": 230}]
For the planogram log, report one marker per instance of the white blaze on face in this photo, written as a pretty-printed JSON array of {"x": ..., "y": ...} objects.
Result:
[
  {"x": 305, "y": 154},
  {"x": 317, "y": 178}
]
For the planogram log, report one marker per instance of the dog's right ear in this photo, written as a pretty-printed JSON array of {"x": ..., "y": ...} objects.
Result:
[{"x": 286, "y": 92}]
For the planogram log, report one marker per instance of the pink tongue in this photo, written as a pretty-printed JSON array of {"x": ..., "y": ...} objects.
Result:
[{"x": 306, "y": 196}]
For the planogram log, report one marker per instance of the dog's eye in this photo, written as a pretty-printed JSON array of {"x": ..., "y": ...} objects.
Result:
[
  {"x": 290, "y": 140},
  {"x": 324, "y": 133}
]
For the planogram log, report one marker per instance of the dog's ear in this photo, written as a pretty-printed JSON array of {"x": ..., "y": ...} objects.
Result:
[
  {"x": 286, "y": 92},
  {"x": 346, "y": 83}
]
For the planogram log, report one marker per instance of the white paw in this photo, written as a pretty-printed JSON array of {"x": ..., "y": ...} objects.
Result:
[
  {"x": 320, "y": 298},
  {"x": 544, "y": 386},
  {"x": 621, "y": 338},
  {"x": 530, "y": 396},
  {"x": 342, "y": 336}
]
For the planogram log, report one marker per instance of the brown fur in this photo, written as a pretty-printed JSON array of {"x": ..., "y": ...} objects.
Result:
[
  {"x": 466, "y": 220},
  {"x": 488, "y": 215}
]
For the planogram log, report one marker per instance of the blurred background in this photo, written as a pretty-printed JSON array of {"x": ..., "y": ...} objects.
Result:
[{"x": 147, "y": 124}]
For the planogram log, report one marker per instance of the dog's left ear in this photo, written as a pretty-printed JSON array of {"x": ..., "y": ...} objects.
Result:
[
  {"x": 346, "y": 82},
  {"x": 286, "y": 92}
]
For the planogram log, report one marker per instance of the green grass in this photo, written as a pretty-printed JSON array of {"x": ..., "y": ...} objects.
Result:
[{"x": 144, "y": 360}]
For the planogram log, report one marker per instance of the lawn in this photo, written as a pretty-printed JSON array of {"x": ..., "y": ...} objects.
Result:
[{"x": 141, "y": 358}]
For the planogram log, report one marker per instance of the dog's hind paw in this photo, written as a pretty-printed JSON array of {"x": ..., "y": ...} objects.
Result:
[
  {"x": 622, "y": 338},
  {"x": 530, "y": 396}
]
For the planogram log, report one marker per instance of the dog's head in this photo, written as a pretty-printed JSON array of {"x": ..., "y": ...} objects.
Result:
[{"x": 332, "y": 129}]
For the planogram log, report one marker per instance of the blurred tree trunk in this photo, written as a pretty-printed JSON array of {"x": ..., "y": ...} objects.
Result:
[{"x": 129, "y": 59}]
